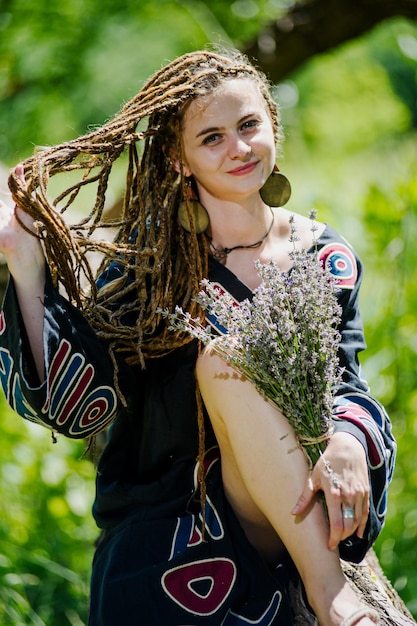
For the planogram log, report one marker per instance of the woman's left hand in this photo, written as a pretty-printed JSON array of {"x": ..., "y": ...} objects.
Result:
[{"x": 342, "y": 475}]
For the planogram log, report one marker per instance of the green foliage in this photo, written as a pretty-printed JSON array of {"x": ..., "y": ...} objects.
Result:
[
  {"x": 46, "y": 530},
  {"x": 358, "y": 85},
  {"x": 391, "y": 225},
  {"x": 67, "y": 65},
  {"x": 59, "y": 60}
]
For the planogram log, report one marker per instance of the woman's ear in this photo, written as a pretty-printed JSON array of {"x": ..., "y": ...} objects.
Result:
[
  {"x": 175, "y": 152},
  {"x": 176, "y": 161},
  {"x": 177, "y": 167}
]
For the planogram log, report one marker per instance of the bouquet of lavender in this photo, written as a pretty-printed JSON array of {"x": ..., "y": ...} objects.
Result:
[{"x": 285, "y": 340}]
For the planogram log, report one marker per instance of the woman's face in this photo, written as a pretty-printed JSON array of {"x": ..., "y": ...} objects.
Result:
[{"x": 228, "y": 141}]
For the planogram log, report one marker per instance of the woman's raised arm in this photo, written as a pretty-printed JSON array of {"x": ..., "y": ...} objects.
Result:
[{"x": 26, "y": 263}]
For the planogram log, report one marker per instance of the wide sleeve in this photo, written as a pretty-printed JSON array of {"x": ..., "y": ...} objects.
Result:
[
  {"x": 78, "y": 397},
  {"x": 355, "y": 410}
]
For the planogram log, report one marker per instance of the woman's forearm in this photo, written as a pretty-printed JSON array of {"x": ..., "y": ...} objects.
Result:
[
  {"x": 30, "y": 293},
  {"x": 26, "y": 263}
]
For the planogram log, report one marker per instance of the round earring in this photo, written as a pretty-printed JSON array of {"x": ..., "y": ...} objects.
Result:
[
  {"x": 276, "y": 190},
  {"x": 192, "y": 216}
]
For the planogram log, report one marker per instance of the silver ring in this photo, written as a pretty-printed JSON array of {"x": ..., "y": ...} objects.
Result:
[{"x": 348, "y": 513}]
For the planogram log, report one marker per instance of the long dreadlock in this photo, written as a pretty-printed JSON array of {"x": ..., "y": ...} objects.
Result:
[{"x": 160, "y": 264}]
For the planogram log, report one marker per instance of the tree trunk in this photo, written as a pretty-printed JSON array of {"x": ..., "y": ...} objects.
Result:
[
  {"x": 315, "y": 26},
  {"x": 371, "y": 584}
]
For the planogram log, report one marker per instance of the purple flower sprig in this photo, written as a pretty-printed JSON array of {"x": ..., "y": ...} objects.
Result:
[{"x": 285, "y": 340}]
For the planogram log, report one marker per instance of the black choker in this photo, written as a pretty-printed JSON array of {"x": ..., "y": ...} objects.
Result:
[{"x": 220, "y": 253}]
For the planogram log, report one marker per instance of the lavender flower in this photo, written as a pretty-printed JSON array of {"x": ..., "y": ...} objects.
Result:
[{"x": 285, "y": 340}]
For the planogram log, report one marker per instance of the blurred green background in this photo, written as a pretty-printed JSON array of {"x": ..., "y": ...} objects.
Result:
[{"x": 350, "y": 118}]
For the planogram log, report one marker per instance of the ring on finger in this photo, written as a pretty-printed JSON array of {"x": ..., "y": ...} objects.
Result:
[{"x": 348, "y": 512}]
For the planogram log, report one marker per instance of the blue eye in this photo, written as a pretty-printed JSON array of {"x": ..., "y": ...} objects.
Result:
[
  {"x": 211, "y": 139},
  {"x": 250, "y": 124}
]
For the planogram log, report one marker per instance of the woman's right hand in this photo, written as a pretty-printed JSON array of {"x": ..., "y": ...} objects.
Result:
[{"x": 21, "y": 250}]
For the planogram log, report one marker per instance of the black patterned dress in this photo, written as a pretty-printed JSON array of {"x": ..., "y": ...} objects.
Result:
[{"x": 153, "y": 567}]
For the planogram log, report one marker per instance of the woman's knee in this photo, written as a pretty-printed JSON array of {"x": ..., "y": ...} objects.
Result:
[
  {"x": 210, "y": 367},
  {"x": 215, "y": 381}
]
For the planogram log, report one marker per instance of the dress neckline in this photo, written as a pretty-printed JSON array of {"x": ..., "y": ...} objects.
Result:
[{"x": 241, "y": 289}]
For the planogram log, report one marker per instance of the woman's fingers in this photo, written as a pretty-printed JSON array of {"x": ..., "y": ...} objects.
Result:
[
  {"x": 341, "y": 475},
  {"x": 20, "y": 172},
  {"x": 305, "y": 499}
]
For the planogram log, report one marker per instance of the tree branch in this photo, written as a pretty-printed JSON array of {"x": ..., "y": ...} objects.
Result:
[{"x": 315, "y": 26}]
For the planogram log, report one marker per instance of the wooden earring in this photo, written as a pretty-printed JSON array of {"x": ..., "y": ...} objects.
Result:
[
  {"x": 277, "y": 189},
  {"x": 192, "y": 216}
]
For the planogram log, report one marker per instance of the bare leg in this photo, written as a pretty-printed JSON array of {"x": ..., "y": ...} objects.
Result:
[{"x": 263, "y": 473}]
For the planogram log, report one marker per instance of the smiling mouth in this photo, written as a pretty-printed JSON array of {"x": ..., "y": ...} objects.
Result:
[{"x": 244, "y": 169}]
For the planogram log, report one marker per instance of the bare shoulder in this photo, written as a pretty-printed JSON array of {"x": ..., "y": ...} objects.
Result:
[{"x": 278, "y": 245}]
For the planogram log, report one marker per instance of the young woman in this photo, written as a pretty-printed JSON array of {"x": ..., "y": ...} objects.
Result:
[{"x": 193, "y": 208}]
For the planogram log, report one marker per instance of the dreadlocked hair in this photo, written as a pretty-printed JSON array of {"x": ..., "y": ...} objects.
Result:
[
  {"x": 159, "y": 264},
  {"x": 151, "y": 263}
]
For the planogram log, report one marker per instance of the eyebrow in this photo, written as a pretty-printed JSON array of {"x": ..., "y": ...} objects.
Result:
[
  {"x": 214, "y": 129},
  {"x": 207, "y": 131}
]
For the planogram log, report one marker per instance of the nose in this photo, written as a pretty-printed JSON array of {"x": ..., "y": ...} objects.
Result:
[{"x": 239, "y": 148}]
